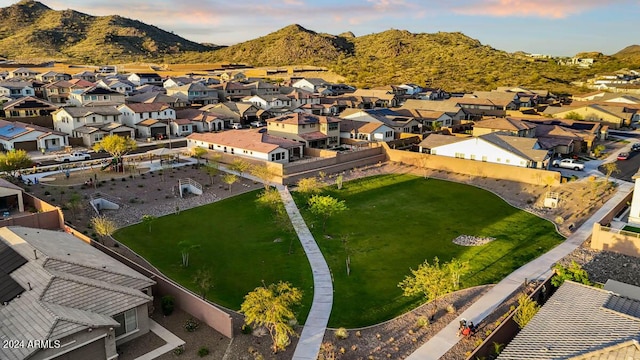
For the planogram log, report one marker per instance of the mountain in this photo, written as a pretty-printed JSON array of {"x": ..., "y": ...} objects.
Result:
[
  {"x": 31, "y": 30},
  {"x": 630, "y": 53}
]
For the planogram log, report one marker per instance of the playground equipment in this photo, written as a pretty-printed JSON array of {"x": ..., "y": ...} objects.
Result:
[
  {"x": 189, "y": 185},
  {"x": 115, "y": 164}
]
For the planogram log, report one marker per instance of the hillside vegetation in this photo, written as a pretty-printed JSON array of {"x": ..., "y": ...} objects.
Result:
[{"x": 452, "y": 61}]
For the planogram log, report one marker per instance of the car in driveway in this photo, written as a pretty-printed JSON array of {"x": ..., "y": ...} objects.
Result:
[
  {"x": 623, "y": 156},
  {"x": 635, "y": 147},
  {"x": 568, "y": 164}
]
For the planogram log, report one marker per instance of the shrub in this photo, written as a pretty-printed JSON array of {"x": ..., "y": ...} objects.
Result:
[
  {"x": 124, "y": 179},
  {"x": 179, "y": 350},
  {"x": 246, "y": 329},
  {"x": 191, "y": 325},
  {"x": 451, "y": 309},
  {"x": 341, "y": 333},
  {"x": 203, "y": 351},
  {"x": 47, "y": 192},
  {"x": 421, "y": 322},
  {"x": 167, "y": 303}
]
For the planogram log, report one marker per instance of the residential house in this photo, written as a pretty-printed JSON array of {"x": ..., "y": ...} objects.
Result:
[
  {"x": 16, "y": 89},
  {"x": 241, "y": 112},
  {"x": 381, "y": 97},
  {"x": 564, "y": 136},
  {"x": 433, "y": 120},
  {"x": 492, "y": 147},
  {"x": 52, "y": 76},
  {"x": 134, "y": 114},
  {"x": 122, "y": 86},
  {"x": 23, "y": 73},
  {"x": 79, "y": 302},
  {"x": 178, "y": 81},
  {"x": 28, "y": 106},
  {"x": 508, "y": 125},
  {"x": 502, "y": 100},
  {"x": 262, "y": 88},
  {"x": 476, "y": 108},
  {"x": 158, "y": 97},
  {"x": 95, "y": 96},
  {"x": 194, "y": 93},
  {"x": 86, "y": 121},
  {"x": 366, "y": 131},
  {"x": 254, "y": 143},
  {"x": 146, "y": 88},
  {"x": 204, "y": 121},
  {"x": 18, "y": 135},
  {"x": 181, "y": 127},
  {"x": 613, "y": 116},
  {"x": 300, "y": 97},
  {"x": 86, "y": 76},
  {"x": 582, "y": 322},
  {"x": 139, "y": 79},
  {"x": 432, "y": 94},
  {"x": 398, "y": 122},
  {"x": 320, "y": 132},
  {"x": 411, "y": 89},
  {"x": 232, "y": 76},
  {"x": 231, "y": 91},
  {"x": 311, "y": 84},
  {"x": 58, "y": 92},
  {"x": 269, "y": 102},
  {"x": 4, "y": 75},
  {"x": 449, "y": 106}
]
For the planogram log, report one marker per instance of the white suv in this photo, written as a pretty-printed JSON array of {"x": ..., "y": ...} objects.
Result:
[{"x": 236, "y": 126}]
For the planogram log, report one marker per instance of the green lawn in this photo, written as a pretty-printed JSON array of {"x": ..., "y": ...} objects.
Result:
[
  {"x": 631, "y": 228},
  {"x": 236, "y": 239},
  {"x": 395, "y": 222}
]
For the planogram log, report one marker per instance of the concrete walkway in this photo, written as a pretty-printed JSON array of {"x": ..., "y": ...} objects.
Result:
[
  {"x": 539, "y": 268},
  {"x": 171, "y": 340},
  {"x": 313, "y": 332}
]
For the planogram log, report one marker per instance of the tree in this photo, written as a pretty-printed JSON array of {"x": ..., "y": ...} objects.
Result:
[
  {"x": 573, "y": 272},
  {"x": 339, "y": 182},
  {"x": 263, "y": 173},
  {"x": 433, "y": 280},
  {"x": 325, "y": 207},
  {"x": 117, "y": 146},
  {"x": 185, "y": 249},
  {"x": 309, "y": 186},
  {"x": 103, "y": 226},
  {"x": 204, "y": 282},
  {"x": 229, "y": 179},
  {"x": 148, "y": 220},
  {"x": 14, "y": 160},
  {"x": 239, "y": 166},
  {"x": 598, "y": 150},
  {"x": 610, "y": 169},
  {"x": 74, "y": 204},
  {"x": 212, "y": 169},
  {"x": 527, "y": 309},
  {"x": 272, "y": 307},
  {"x": 572, "y": 115},
  {"x": 198, "y": 152}
]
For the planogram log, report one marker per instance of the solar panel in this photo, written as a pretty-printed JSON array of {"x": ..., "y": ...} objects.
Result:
[
  {"x": 9, "y": 288},
  {"x": 9, "y": 259}
]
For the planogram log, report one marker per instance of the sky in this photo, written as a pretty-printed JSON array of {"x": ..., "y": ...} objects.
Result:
[{"x": 551, "y": 27}]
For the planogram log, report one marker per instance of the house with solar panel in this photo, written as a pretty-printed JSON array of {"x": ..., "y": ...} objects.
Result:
[
  {"x": 20, "y": 136},
  {"x": 582, "y": 322},
  {"x": 68, "y": 298}
]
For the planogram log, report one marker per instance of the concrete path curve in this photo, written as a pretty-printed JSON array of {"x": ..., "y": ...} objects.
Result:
[
  {"x": 539, "y": 268},
  {"x": 314, "y": 328}
]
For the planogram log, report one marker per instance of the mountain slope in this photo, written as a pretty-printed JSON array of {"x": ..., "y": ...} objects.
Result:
[
  {"x": 630, "y": 53},
  {"x": 29, "y": 29}
]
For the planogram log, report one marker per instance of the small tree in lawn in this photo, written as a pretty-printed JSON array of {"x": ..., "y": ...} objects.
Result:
[
  {"x": 263, "y": 173},
  {"x": 431, "y": 280},
  {"x": 204, "y": 281},
  {"x": 185, "y": 249},
  {"x": 272, "y": 307},
  {"x": 148, "y": 220},
  {"x": 610, "y": 169},
  {"x": 14, "y": 160},
  {"x": 229, "y": 179},
  {"x": 239, "y": 166},
  {"x": 198, "y": 152},
  {"x": 326, "y": 207},
  {"x": 309, "y": 186},
  {"x": 103, "y": 226},
  {"x": 117, "y": 146},
  {"x": 527, "y": 309},
  {"x": 456, "y": 268}
]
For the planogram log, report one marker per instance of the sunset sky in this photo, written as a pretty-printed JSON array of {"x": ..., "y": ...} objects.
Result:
[{"x": 555, "y": 27}]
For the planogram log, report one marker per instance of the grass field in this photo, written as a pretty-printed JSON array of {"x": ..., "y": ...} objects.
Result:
[
  {"x": 395, "y": 222},
  {"x": 237, "y": 246}
]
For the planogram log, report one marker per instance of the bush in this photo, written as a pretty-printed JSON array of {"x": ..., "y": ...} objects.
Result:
[
  {"x": 246, "y": 329},
  {"x": 341, "y": 333},
  {"x": 191, "y": 325},
  {"x": 422, "y": 322},
  {"x": 167, "y": 304},
  {"x": 179, "y": 350},
  {"x": 451, "y": 309},
  {"x": 47, "y": 192},
  {"x": 203, "y": 351}
]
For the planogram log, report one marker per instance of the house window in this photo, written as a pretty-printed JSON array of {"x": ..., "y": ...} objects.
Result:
[
  {"x": 498, "y": 159},
  {"x": 484, "y": 158},
  {"x": 472, "y": 157},
  {"x": 508, "y": 161},
  {"x": 388, "y": 134},
  {"x": 460, "y": 155},
  {"x": 128, "y": 322}
]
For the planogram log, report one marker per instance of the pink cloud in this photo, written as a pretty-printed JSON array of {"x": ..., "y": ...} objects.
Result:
[{"x": 542, "y": 8}]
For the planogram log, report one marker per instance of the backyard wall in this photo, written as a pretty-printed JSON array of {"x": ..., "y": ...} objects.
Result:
[
  {"x": 205, "y": 311},
  {"x": 276, "y": 169},
  {"x": 47, "y": 216},
  {"x": 508, "y": 328},
  {"x": 473, "y": 168},
  {"x": 620, "y": 241}
]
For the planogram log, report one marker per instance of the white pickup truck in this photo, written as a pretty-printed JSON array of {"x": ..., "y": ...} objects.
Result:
[
  {"x": 568, "y": 164},
  {"x": 74, "y": 156}
]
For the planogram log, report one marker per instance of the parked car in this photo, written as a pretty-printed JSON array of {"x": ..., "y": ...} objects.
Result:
[
  {"x": 257, "y": 124},
  {"x": 635, "y": 147},
  {"x": 568, "y": 164},
  {"x": 623, "y": 156},
  {"x": 74, "y": 156},
  {"x": 236, "y": 126}
]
